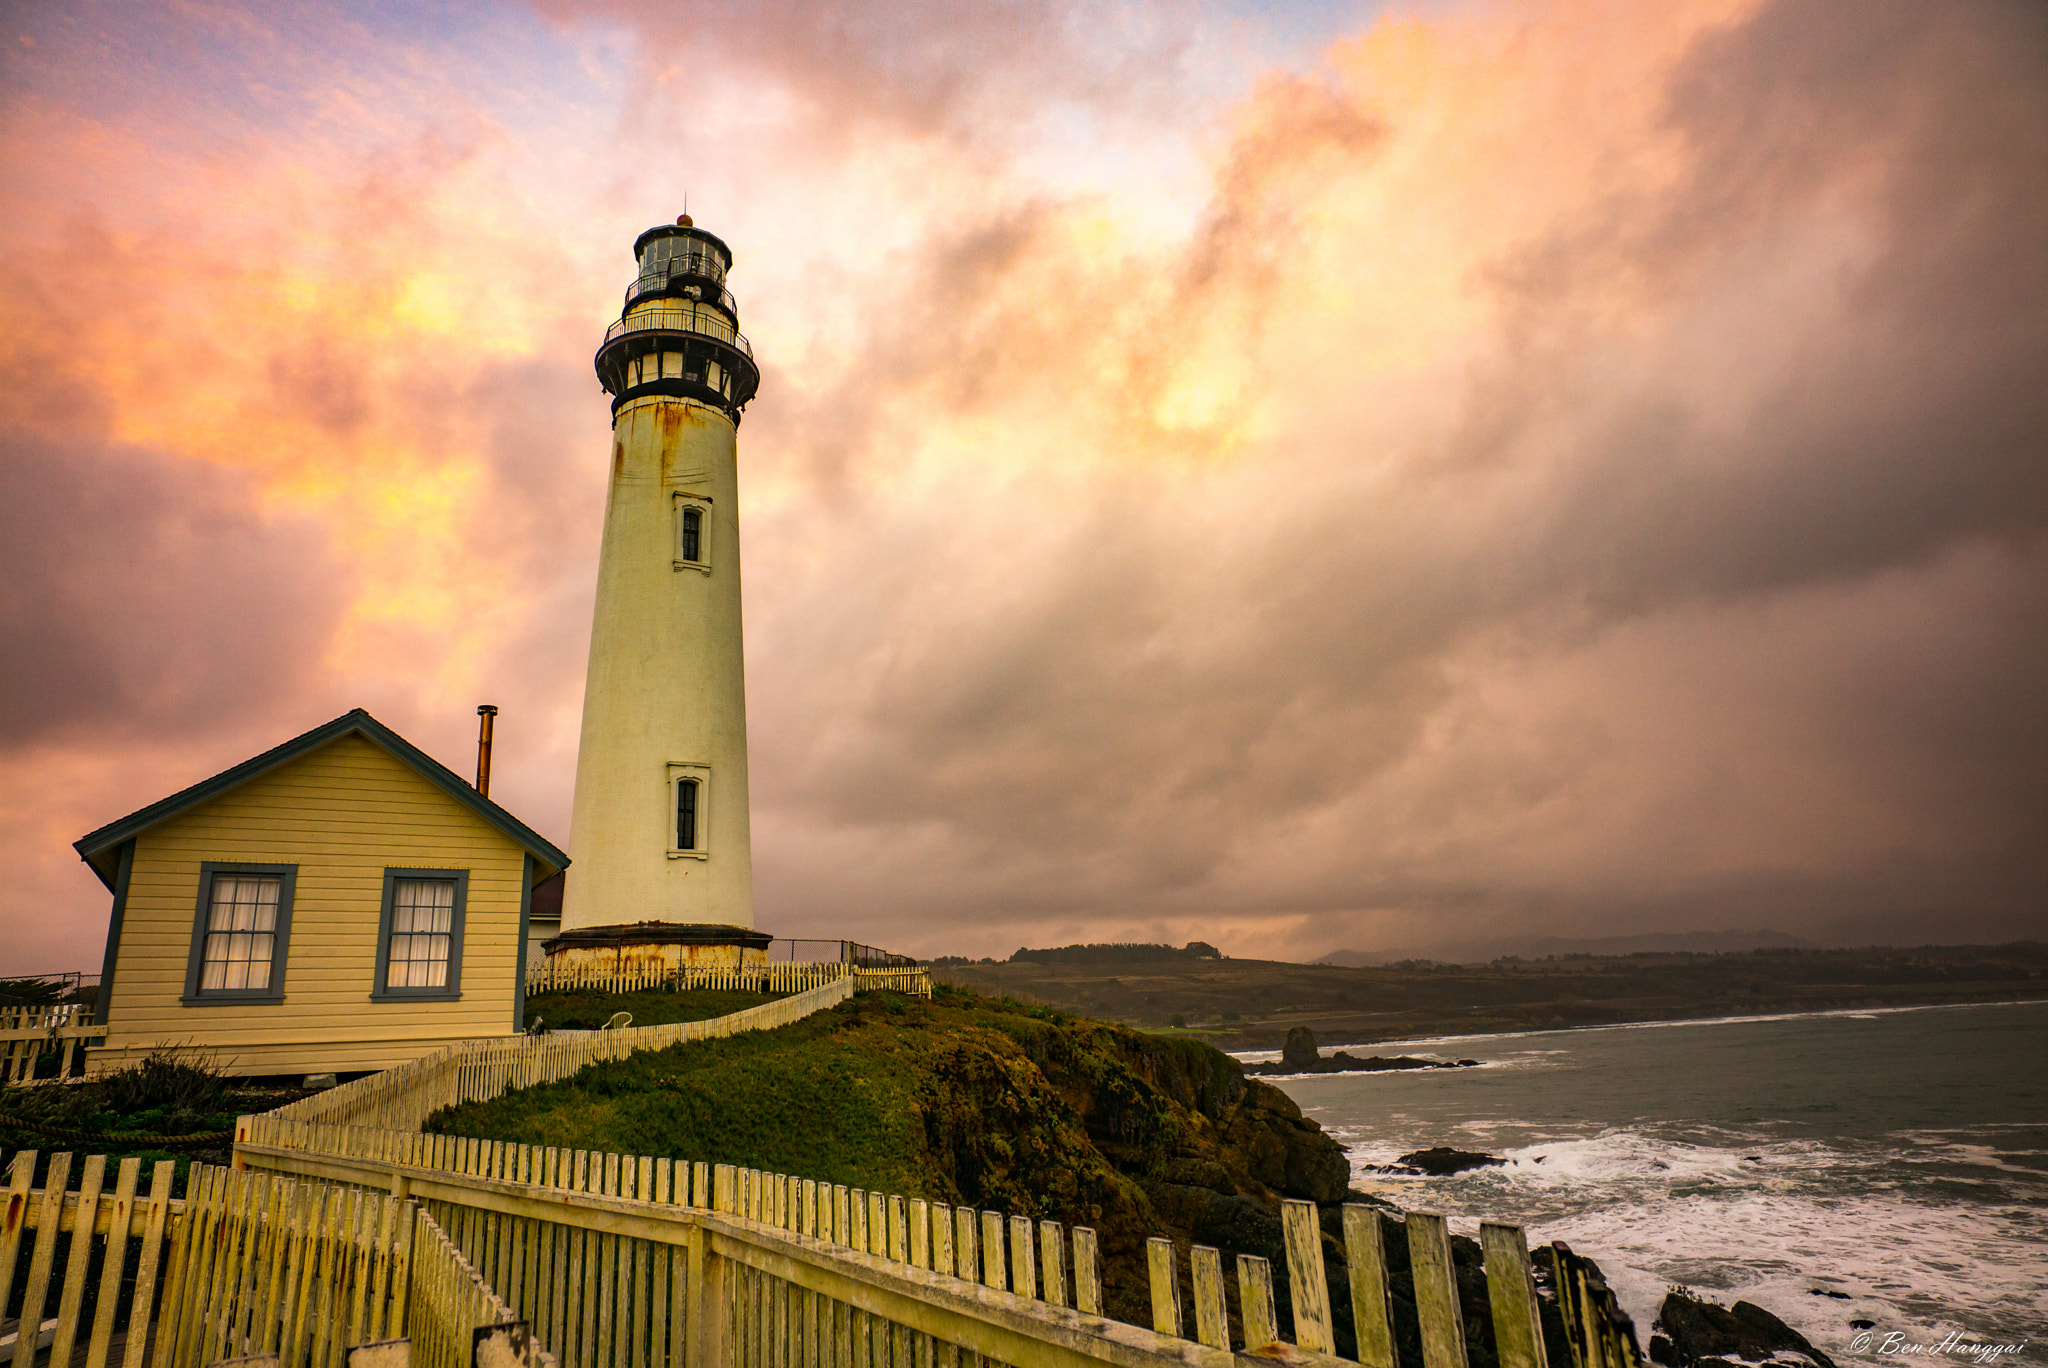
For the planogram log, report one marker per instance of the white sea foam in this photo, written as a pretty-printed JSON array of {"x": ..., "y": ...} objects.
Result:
[
  {"x": 1904, "y": 1264},
  {"x": 1761, "y": 1219},
  {"x": 1900, "y": 1161},
  {"x": 1565, "y": 1163}
]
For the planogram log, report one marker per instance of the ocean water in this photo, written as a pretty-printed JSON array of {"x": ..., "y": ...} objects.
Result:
[{"x": 1896, "y": 1157}]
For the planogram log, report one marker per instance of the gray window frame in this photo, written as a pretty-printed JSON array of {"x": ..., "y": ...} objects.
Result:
[
  {"x": 680, "y": 772},
  {"x": 195, "y": 964},
  {"x": 684, "y": 501},
  {"x": 692, "y": 785},
  {"x": 452, "y": 990}
]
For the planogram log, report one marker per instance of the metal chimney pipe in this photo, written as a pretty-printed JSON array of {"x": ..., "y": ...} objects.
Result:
[{"x": 485, "y": 713}]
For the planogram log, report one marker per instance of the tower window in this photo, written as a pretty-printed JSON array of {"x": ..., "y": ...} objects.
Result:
[
  {"x": 686, "y": 814},
  {"x": 693, "y": 532},
  {"x": 689, "y": 805}
]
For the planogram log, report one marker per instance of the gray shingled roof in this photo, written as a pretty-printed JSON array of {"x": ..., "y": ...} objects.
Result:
[{"x": 99, "y": 848}]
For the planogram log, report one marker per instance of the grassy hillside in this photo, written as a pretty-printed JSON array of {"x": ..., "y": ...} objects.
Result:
[
  {"x": 1245, "y": 1004},
  {"x": 962, "y": 1099}
]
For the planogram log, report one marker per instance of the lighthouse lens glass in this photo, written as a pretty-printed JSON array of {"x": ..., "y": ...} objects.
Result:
[{"x": 654, "y": 265}]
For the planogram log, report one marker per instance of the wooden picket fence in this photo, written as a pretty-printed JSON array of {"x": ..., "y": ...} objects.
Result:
[
  {"x": 342, "y": 1223},
  {"x": 402, "y": 1099},
  {"x": 248, "y": 1263},
  {"x": 606, "y": 1254},
  {"x": 634, "y": 1261},
  {"x": 29, "y": 1031},
  {"x": 783, "y": 977},
  {"x": 915, "y": 980}
]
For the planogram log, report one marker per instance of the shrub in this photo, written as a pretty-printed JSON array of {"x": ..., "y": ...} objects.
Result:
[{"x": 171, "y": 1079}]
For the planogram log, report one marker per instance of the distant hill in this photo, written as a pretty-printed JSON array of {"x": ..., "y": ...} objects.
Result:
[
  {"x": 1111, "y": 952},
  {"x": 1246, "y": 1004},
  {"x": 1120, "y": 952},
  {"x": 1539, "y": 947}
]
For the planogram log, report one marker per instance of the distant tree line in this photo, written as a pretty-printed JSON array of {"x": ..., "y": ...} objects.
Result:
[{"x": 1122, "y": 952}]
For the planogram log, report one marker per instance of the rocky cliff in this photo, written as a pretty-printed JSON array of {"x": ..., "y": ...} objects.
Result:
[{"x": 999, "y": 1106}]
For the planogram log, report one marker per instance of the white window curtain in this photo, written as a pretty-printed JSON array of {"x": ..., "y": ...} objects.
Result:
[
  {"x": 241, "y": 932},
  {"x": 422, "y": 925}
]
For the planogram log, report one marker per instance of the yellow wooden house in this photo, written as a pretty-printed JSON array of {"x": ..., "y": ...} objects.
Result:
[{"x": 339, "y": 904}]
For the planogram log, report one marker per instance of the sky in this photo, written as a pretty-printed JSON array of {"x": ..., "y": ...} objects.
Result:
[{"x": 1296, "y": 476}]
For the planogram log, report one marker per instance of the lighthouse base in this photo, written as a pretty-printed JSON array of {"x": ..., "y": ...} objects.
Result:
[{"x": 652, "y": 950}]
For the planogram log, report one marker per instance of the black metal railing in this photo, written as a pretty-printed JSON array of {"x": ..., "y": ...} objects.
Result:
[
  {"x": 836, "y": 952},
  {"x": 686, "y": 318},
  {"x": 657, "y": 276},
  {"x": 28, "y": 990}
]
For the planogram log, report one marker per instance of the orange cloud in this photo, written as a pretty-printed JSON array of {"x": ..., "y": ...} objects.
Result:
[{"x": 1346, "y": 562}]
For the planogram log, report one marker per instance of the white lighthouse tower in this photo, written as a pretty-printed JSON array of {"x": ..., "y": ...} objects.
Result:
[{"x": 662, "y": 868}]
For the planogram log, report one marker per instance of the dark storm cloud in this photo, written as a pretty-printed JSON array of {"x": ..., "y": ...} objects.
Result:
[
  {"x": 1450, "y": 530},
  {"x": 1906, "y": 418},
  {"x": 150, "y": 594},
  {"x": 1127, "y": 730}
]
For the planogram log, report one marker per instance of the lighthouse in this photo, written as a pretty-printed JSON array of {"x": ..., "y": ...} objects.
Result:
[{"x": 663, "y": 870}]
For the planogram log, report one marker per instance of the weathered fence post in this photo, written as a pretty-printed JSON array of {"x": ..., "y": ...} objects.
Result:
[
  {"x": 1255, "y": 1302},
  {"x": 1165, "y": 1286},
  {"x": 1511, "y": 1288},
  {"x": 1023, "y": 1263},
  {"x": 1052, "y": 1258},
  {"x": 1371, "y": 1307},
  {"x": 1306, "y": 1286},
  {"x": 1212, "y": 1321},
  {"x": 706, "y": 1317},
  {"x": 1087, "y": 1272},
  {"x": 1436, "y": 1291}
]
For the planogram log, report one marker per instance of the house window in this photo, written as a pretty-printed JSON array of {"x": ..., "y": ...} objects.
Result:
[
  {"x": 239, "y": 933},
  {"x": 422, "y": 923},
  {"x": 419, "y": 935},
  {"x": 693, "y": 532},
  {"x": 689, "y": 805}
]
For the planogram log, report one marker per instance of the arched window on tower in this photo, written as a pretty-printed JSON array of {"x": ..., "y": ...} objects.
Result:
[
  {"x": 686, "y": 814},
  {"x": 692, "y": 545}
]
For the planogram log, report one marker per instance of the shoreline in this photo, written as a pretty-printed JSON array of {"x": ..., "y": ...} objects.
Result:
[
  {"x": 1895, "y": 1197},
  {"x": 1261, "y": 1054},
  {"x": 1242, "y": 1005}
]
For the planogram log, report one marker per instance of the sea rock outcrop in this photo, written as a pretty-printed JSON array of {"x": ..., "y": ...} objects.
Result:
[
  {"x": 1702, "y": 1334},
  {"x": 1438, "y": 1161},
  {"x": 1300, "y": 1056},
  {"x": 1300, "y": 1051}
]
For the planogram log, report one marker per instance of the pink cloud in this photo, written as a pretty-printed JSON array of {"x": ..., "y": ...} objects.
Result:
[{"x": 1579, "y": 469}]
